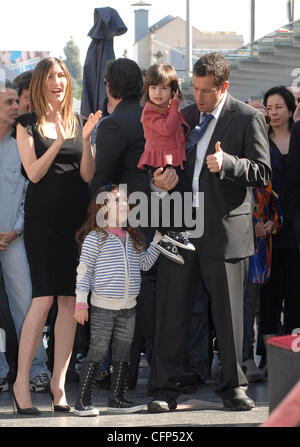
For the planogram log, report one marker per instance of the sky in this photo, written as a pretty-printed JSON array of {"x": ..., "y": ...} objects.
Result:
[{"x": 39, "y": 25}]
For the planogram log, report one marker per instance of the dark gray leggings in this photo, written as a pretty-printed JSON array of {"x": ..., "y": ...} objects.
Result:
[{"x": 113, "y": 328}]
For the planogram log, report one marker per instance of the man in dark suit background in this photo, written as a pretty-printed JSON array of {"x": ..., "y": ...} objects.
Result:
[
  {"x": 120, "y": 137},
  {"x": 231, "y": 157},
  {"x": 293, "y": 173}
]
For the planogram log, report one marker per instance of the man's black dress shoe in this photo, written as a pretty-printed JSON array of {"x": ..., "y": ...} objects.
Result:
[
  {"x": 161, "y": 406},
  {"x": 236, "y": 399},
  {"x": 189, "y": 383}
]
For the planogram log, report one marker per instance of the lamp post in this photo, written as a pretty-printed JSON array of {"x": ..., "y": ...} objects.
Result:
[
  {"x": 252, "y": 23},
  {"x": 291, "y": 10},
  {"x": 188, "y": 69}
]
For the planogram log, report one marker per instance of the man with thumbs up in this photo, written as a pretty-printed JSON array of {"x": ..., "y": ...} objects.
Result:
[
  {"x": 214, "y": 162},
  {"x": 227, "y": 154}
]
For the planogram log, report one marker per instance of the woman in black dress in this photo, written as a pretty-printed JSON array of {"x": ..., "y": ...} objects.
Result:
[{"x": 56, "y": 155}]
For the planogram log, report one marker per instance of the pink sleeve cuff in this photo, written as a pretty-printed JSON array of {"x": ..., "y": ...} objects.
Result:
[{"x": 81, "y": 306}]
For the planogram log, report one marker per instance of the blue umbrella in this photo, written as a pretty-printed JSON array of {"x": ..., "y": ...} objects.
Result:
[{"x": 107, "y": 25}]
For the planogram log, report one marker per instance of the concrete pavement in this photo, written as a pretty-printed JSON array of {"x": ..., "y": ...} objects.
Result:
[{"x": 201, "y": 409}]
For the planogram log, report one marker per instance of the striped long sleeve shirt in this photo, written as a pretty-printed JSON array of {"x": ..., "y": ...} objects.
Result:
[{"x": 110, "y": 269}]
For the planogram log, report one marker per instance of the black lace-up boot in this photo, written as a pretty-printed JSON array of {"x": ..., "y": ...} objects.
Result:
[
  {"x": 84, "y": 405},
  {"x": 117, "y": 403}
]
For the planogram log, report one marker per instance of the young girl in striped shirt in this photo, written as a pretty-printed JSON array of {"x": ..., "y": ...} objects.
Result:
[{"x": 112, "y": 255}]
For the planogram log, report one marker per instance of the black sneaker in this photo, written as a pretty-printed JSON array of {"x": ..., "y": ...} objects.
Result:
[
  {"x": 179, "y": 239},
  {"x": 117, "y": 403},
  {"x": 170, "y": 251},
  {"x": 124, "y": 407},
  {"x": 85, "y": 410},
  {"x": 84, "y": 404}
]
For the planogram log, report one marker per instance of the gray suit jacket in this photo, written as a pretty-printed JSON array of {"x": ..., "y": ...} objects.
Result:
[{"x": 228, "y": 223}]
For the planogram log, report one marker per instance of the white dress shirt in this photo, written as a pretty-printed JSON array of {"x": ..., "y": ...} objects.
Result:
[{"x": 202, "y": 147}]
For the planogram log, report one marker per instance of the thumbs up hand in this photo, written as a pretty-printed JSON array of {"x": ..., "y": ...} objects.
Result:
[{"x": 215, "y": 161}]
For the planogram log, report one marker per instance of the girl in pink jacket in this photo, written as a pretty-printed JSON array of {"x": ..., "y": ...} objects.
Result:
[{"x": 164, "y": 130}]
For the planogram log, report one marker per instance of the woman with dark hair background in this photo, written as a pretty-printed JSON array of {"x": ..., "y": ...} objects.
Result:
[{"x": 284, "y": 283}]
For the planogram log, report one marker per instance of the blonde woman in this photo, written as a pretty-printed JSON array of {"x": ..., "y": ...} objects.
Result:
[{"x": 56, "y": 155}]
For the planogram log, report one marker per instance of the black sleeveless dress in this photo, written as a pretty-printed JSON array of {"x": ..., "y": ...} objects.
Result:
[{"x": 55, "y": 208}]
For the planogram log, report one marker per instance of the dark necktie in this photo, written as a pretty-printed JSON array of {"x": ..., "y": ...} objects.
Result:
[{"x": 197, "y": 133}]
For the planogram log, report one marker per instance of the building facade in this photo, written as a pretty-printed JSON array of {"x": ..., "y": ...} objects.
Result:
[{"x": 165, "y": 42}]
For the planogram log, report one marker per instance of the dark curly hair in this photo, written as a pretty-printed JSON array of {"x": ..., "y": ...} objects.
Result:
[
  {"x": 124, "y": 79},
  {"x": 213, "y": 64}
]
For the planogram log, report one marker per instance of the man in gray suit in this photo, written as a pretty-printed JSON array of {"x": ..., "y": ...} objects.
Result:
[{"x": 231, "y": 156}]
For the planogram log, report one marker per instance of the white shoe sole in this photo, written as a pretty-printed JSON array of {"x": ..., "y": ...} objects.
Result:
[
  {"x": 188, "y": 246},
  {"x": 87, "y": 413},
  {"x": 129, "y": 410},
  {"x": 177, "y": 259}
]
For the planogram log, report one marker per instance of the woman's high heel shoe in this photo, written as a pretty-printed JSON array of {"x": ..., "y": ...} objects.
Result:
[
  {"x": 62, "y": 408},
  {"x": 17, "y": 409}
]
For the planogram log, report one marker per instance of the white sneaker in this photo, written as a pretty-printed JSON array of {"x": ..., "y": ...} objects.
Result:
[
  {"x": 170, "y": 251},
  {"x": 86, "y": 411},
  {"x": 179, "y": 239}
]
